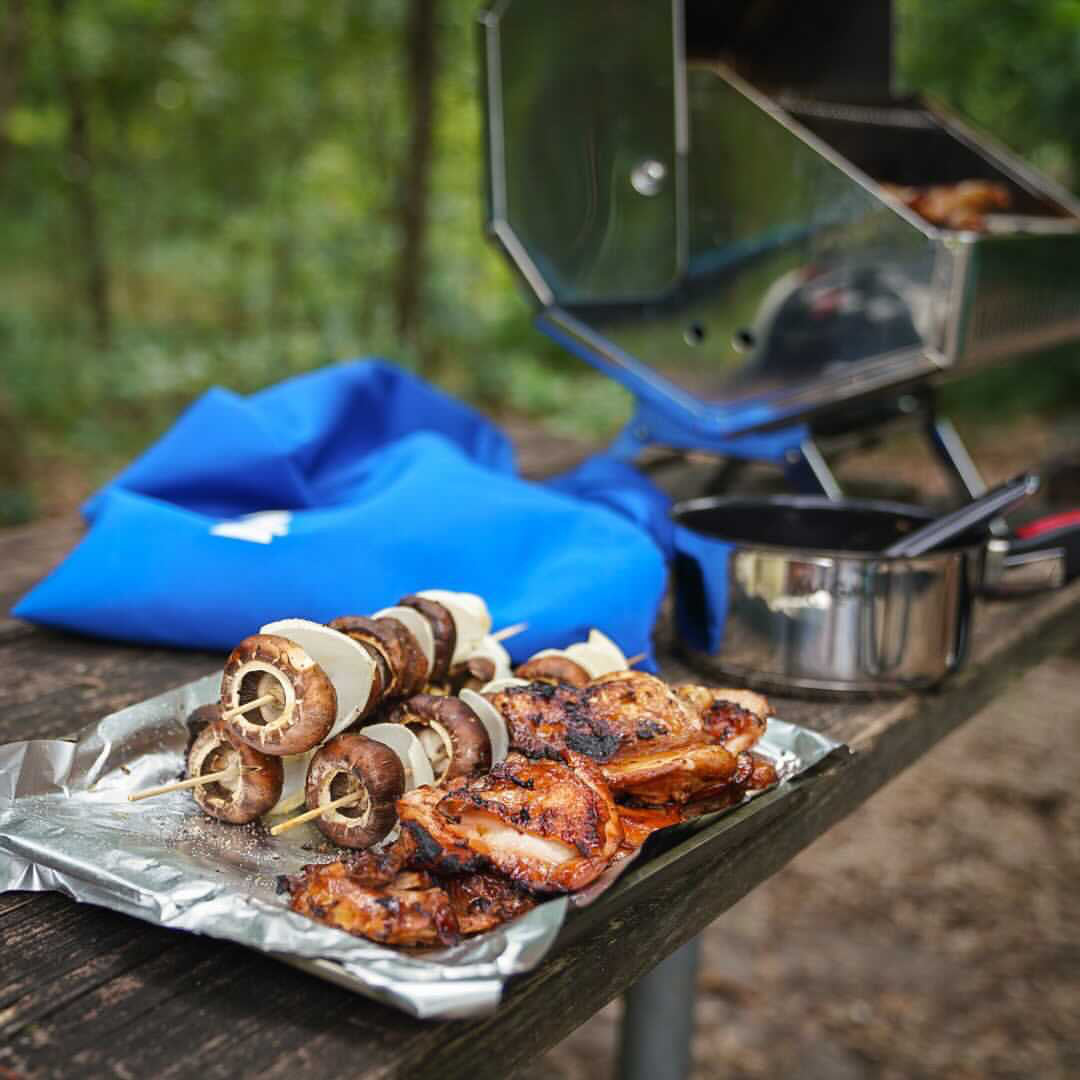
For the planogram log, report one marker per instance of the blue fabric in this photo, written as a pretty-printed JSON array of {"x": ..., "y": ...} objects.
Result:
[
  {"x": 699, "y": 563},
  {"x": 334, "y": 493},
  {"x": 613, "y": 483},
  {"x": 701, "y": 568}
]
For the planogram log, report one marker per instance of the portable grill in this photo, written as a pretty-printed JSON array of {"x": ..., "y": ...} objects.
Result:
[{"x": 699, "y": 197}]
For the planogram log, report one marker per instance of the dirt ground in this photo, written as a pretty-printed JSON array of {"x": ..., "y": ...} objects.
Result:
[{"x": 934, "y": 933}]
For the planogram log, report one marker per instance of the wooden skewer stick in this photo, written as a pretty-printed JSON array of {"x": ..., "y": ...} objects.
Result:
[
  {"x": 635, "y": 659},
  {"x": 510, "y": 631},
  {"x": 196, "y": 781},
  {"x": 310, "y": 815},
  {"x": 241, "y": 709}
]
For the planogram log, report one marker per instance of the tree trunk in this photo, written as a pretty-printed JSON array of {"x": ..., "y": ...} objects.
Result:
[
  {"x": 80, "y": 175},
  {"x": 12, "y": 59},
  {"x": 421, "y": 72}
]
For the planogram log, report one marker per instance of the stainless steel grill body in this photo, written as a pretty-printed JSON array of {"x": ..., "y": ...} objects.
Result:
[{"x": 730, "y": 253}]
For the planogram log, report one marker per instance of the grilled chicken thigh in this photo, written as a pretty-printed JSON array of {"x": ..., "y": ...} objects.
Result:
[
  {"x": 655, "y": 744},
  {"x": 483, "y": 901},
  {"x": 547, "y": 826},
  {"x": 675, "y": 771},
  {"x": 410, "y": 909},
  {"x": 609, "y": 714}
]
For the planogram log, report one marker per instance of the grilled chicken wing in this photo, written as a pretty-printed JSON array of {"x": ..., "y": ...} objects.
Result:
[{"x": 547, "y": 826}]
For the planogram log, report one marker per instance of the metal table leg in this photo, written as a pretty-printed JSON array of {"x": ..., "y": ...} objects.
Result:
[{"x": 658, "y": 1019}]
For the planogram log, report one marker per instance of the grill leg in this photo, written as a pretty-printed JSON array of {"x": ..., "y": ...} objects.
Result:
[
  {"x": 658, "y": 1019},
  {"x": 808, "y": 472}
]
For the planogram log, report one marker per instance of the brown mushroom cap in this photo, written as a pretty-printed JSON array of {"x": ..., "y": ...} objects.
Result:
[
  {"x": 405, "y": 659},
  {"x": 350, "y": 763},
  {"x": 381, "y": 677},
  {"x": 443, "y": 630},
  {"x": 417, "y": 668},
  {"x": 464, "y": 738},
  {"x": 197, "y": 719},
  {"x": 474, "y": 674},
  {"x": 557, "y": 669},
  {"x": 305, "y": 702},
  {"x": 248, "y": 796}
]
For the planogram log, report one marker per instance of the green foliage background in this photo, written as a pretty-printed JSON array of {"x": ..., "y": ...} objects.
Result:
[{"x": 247, "y": 172}]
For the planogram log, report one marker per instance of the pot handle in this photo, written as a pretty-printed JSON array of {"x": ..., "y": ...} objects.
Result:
[
  {"x": 1042, "y": 554},
  {"x": 966, "y": 606}
]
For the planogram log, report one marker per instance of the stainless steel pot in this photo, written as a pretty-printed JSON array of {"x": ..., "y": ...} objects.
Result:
[{"x": 793, "y": 592}]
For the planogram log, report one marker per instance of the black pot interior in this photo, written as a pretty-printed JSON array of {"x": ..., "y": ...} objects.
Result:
[{"x": 809, "y": 522}]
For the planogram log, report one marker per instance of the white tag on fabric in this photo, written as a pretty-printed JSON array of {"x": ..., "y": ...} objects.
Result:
[{"x": 260, "y": 528}]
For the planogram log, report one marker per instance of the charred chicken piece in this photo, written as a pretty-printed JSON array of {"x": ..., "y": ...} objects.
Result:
[
  {"x": 763, "y": 774},
  {"x": 640, "y": 822},
  {"x": 676, "y": 771},
  {"x": 484, "y": 901},
  {"x": 411, "y": 909},
  {"x": 654, "y": 744},
  {"x": 736, "y": 717},
  {"x": 548, "y": 826},
  {"x": 614, "y": 712}
]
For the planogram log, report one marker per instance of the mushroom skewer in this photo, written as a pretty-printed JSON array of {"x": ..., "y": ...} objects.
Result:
[
  {"x": 230, "y": 773},
  {"x": 258, "y": 703},
  {"x": 454, "y": 739},
  {"x": 254, "y": 780},
  {"x": 303, "y": 702},
  {"x": 576, "y": 665},
  {"x": 310, "y": 815}
]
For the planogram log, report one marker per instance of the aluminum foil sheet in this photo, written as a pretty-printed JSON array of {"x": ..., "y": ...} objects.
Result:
[{"x": 66, "y": 825}]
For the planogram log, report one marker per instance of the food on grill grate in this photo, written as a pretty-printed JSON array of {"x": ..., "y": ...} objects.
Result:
[{"x": 954, "y": 206}]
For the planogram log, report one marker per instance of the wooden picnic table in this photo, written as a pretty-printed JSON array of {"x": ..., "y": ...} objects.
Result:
[{"x": 87, "y": 990}]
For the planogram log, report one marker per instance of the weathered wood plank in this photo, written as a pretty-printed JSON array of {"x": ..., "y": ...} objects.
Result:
[
  {"x": 56, "y": 683},
  {"x": 29, "y": 552}
]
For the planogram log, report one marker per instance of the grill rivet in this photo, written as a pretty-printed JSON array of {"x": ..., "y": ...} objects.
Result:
[{"x": 648, "y": 176}]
